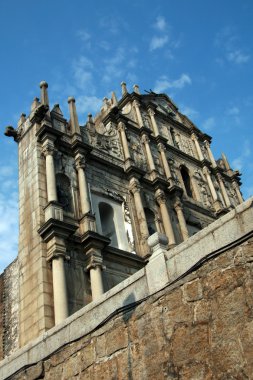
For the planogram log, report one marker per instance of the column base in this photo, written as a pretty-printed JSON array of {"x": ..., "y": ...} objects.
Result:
[{"x": 217, "y": 206}]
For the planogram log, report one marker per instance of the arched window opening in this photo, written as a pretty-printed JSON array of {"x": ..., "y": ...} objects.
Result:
[
  {"x": 107, "y": 222},
  {"x": 64, "y": 195},
  {"x": 150, "y": 218},
  {"x": 187, "y": 181}
]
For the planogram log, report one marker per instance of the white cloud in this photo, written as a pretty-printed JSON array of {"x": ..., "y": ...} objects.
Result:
[
  {"x": 164, "y": 83},
  {"x": 243, "y": 159},
  {"x": 227, "y": 42},
  {"x": 158, "y": 42},
  {"x": 208, "y": 124},
  {"x": 86, "y": 104},
  {"x": 233, "y": 111},
  {"x": 82, "y": 70},
  {"x": 238, "y": 57},
  {"x": 160, "y": 23},
  {"x": 189, "y": 111},
  {"x": 83, "y": 35}
]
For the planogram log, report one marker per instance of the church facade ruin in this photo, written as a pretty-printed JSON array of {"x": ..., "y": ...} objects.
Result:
[{"x": 91, "y": 195}]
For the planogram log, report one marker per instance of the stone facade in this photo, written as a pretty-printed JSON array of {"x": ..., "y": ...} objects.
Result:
[
  {"x": 191, "y": 322},
  {"x": 91, "y": 195}
]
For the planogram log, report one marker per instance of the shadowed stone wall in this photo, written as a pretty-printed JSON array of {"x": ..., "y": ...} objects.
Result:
[{"x": 199, "y": 328}]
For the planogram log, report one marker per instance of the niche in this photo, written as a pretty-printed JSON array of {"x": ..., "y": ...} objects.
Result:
[{"x": 64, "y": 196}]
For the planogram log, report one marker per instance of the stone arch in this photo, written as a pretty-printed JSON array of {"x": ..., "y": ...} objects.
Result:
[{"x": 106, "y": 213}]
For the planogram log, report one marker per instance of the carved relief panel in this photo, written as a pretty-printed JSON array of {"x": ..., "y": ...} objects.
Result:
[{"x": 137, "y": 151}]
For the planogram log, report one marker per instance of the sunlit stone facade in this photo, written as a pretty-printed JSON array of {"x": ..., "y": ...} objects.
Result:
[{"x": 91, "y": 195}]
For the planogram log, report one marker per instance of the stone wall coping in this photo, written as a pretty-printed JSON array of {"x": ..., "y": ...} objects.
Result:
[
  {"x": 159, "y": 272},
  {"x": 222, "y": 232},
  {"x": 77, "y": 325}
]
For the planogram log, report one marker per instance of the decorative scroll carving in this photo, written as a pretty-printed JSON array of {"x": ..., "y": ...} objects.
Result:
[
  {"x": 137, "y": 153},
  {"x": 106, "y": 138}
]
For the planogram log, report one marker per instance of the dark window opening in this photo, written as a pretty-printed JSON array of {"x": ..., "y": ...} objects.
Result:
[
  {"x": 150, "y": 218},
  {"x": 107, "y": 222},
  {"x": 187, "y": 181},
  {"x": 63, "y": 188}
]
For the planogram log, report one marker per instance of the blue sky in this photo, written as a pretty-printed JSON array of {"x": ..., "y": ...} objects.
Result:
[{"x": 198, "y": 52}]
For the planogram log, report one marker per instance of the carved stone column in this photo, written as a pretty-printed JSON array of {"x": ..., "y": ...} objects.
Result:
[
  {"x": 48, "y": 151},
  {"x": 153, "y": 122},
  {"x": 181, "y": 219},
  {"x": 82, "y": 182},
  {"x": 216, "y": 201},
  {"x": 138, "y": 113},
  {"x": 121, "y": 128},
  {"x": 237, "y": 190},
  {"x": 95, "y": 267},
  {"x": 196, "y": 142},
  {"x": 165, "y": 163},
  {"x": 223, "y": 190},
  {"x": 145, "y": 141},
  {"x": 210, "y": 154},
  {"x": 161, "y": 200},
  {"x": 56, "y": 251},
  {"x": 75, "y": 127},
  {"x": 143, "y": 227}
]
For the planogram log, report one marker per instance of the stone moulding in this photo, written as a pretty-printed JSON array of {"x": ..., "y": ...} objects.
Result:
[{"x": 171, "y": 265}]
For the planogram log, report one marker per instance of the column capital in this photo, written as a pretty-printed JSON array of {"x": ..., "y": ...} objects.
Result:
[
  {"x": 48, "y": 148},
  {"x": 151, "y": 112},
  {"x": 56, "y": 248},
  {"x": 207, "y": 144},
  {"x": 95, "y": 260},
  {"x": 161, "y": 147},
  {"x": 178, "y": 204},
  {"x": 80, "y": 162},
  {"x": 193, "y": 136},
  {"x": 134, "y": 185},
  {"x": 136, "y": 103},
  {"x": 144, "y": 139},
  {"x": 160, "y": 196},
  {"x": 206, "y": 170},
  {"x": 121, "y": 126},
  {"x": 219, "y": 176}
]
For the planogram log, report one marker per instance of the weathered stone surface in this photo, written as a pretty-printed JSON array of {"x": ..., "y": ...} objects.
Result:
[{"x": 200, "y": 328}]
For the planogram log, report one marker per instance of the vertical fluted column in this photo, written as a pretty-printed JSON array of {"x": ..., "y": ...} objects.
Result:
[
  {"x": 121, "y": 128},
  {"x": 181, "y": 219},
  {"x": 196, "y": 142},
  {"x": 143, "y": 227},
  {"x": 145, "y": 141},
  {"x": 153, "y": 121},
  {"x": 138, "y": 113},
  {"x": 95, "y": 266},
  {"x": 210, "y": 154},
  {"x": 82, "y": 182},
  {"x": 75, "y": 128},
  {"x": 165, "y": 163},
  {"x": 161, "y": 200},
  {"x": 48, "y": 151},
  {"x": 237, "y": 190},
  {"x": 223, "y": 190}
]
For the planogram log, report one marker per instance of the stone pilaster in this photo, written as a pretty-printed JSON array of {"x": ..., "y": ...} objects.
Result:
[
  {"x": 216, "y": 202},
  {"x": 95, "y": 267},
  {"x": 48, "y": 151},
  {"x": 161, "y": 200},
  {"x": 237, "y": 190},
  {"x": 165, "y": 163},
  {"x": 121, "y": 128},
  {"x": 151, "y": 164},
  {"x": 153, "y": 121},
  {"x": 181, "y": 219},
  {"x": 74, "y": 123},
  {"x": 143, "y": 227},
  {"x": 199, "y": 151},
  {"x": 210, "y": 154},
  {"x": 56, "y": 253},
  {"x": 223, "y": 190},
  {"x": 138, "y": 113}
]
